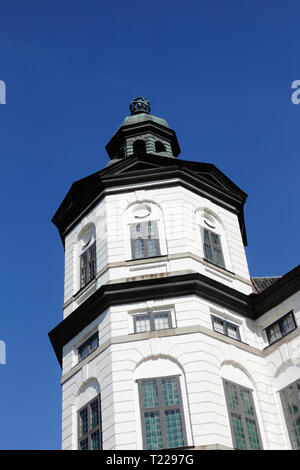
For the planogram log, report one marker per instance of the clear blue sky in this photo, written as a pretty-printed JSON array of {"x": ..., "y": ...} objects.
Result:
[{"x": 219, "y": 72}]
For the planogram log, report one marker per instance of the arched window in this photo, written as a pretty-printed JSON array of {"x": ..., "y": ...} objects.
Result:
[
  {"x": 146, "y": 237},
  {"x": 214, "y": 246},
  {"x": 89, "y": 417},
  {"x": 164, "y": 416},
  {"x": 240, "y": 401},
  {"x": 159, "y": 147},
  {"x": 139, "y": 146}
]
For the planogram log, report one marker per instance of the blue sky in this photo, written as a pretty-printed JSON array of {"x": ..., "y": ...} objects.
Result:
[{"x": 219, "y": 72}]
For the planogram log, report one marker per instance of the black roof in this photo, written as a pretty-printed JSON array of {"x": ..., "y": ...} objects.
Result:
[
  {"x": 262, "y": 283},
  {"x": 203, "y": 178}
]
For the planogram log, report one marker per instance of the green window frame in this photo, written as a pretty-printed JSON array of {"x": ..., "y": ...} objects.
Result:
[
  {"x": 290, "y": 399},
  {"x": 242, "y": 416},
  {"x": 162, "y": 417},
  {"x": 212, "y": 248},
  {"x": 144, "y": 239},
  {"x": 89, "y": 426}
]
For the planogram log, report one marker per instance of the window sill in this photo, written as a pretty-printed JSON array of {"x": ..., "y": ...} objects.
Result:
[
  {"x": 85, "y": 287},
  {"x": 230, "y": 337},
  {"x": 226, "y": 271},
  {"x": 150, "y": 259}
]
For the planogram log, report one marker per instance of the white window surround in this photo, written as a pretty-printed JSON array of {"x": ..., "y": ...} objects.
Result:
[
  {"x": 144, "y": 211},
  {"x": 206, "y": 218},
  {"x": 87, "y": 392},
  {"x": 145, "y": 311},
  {"x": 155, "y": 368}
]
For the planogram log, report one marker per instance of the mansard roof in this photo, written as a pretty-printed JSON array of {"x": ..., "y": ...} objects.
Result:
[{"x": 202, "y": 178}]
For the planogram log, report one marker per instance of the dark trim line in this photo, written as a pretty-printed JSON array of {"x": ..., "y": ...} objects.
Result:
[{"x": 251, "y": 306}]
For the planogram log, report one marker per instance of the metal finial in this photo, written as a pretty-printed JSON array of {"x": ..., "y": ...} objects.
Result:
[{"x": 140, "y": 105}]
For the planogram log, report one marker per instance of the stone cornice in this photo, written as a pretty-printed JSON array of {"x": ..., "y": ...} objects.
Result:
[{"x": 163, "y": 286}]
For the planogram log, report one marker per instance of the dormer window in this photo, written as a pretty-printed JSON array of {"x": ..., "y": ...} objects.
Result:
[
  {"x": 139, "y": 146},
  {"x": 159, "y": 147},
  {"x": 144, "y": 239}
]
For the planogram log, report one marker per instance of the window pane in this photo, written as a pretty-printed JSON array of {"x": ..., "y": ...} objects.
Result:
[
  {"x": 208, "y": 253},
  {"x": 94, "y": 343},
  {"x": 218, "y": 325},
  {"x": 138, "y": 249},
  {"x": 153, "y": 431},
  {"x": 238, "y": 431},
  {"x": 170, "y": 392},
  {"x": 83, "y": 421},
  {"x": 95, "y": 437},
  {"x": 92, "y": 261},
  {"x": 142, "y": 323},
  {"x": 215, "y": 239},
  {"x": 83, "y": 263},
  {"x": 161, "y": 321},
  {"x": 219, "y": 257},
  {"x": 84, "y": 444},
  {"x": 206, "y": 236},
  {"x": 274, "y": 333},
  {"x": 174, "y": 428},
  {"x": 149, "y": 394},
  {"x": 287, "y": 324},
  {"x": 83, "y": 351},
  {"x": 232, "y": 331},
  {"x": 252, "y": 434},
  {"x": 296, "y": 434},
  {"x": 152, "y": 247},
  {"x": 232, "y": 396},
  {"x": 94, "y": 413},
  {"x": 246, "y": 400}
]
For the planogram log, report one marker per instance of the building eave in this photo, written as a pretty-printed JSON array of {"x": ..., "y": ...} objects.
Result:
[{"x": 201, "y": 178}]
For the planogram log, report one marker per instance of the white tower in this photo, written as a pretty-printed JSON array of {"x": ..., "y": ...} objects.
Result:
[{"x": 166, "y": 342}]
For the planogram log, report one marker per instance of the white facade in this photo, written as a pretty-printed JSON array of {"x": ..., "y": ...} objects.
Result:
[{"x": 191, "y": 348}]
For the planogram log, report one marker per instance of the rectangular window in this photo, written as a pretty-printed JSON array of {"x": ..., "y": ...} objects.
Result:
[
  {"x": 152, "y": 321},
  {"x": 88, "y": 346},
  {"x": 162, "y": 413},
  {"x": 290, "y": 398},
  {"x": 226, "y": 328},
  {"x": 212, "y": 248},
  {"x": 144, "y": 239},
  {"x": 281, "y": 328},
  {"x": 89, "y": 426},
  {"x": 88, "y": 265},
  {"x": 243, "y": 421}
]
